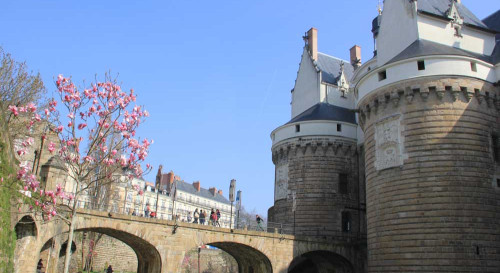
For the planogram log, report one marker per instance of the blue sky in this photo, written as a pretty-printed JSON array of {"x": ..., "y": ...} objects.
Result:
[{"x": 215, "y": 75}]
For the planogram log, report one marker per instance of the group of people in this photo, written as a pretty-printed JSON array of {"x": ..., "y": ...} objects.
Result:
[{"x": 201, "y": 216}]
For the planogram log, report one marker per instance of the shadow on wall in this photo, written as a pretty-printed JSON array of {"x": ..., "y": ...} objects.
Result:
[
  {"x": 148, "y": 258},
  {"x": 319, "y": 262},
  {"x": 248, "y": 259}
]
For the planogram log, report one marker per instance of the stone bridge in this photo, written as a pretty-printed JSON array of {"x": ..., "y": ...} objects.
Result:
[{"x": 160, "y": 245}]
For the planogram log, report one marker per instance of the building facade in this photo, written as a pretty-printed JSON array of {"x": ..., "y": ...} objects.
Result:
[{"x": 414, "y": 131}]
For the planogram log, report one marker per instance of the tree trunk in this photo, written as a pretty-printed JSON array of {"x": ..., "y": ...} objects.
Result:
[{"x": 67, "y": 259}]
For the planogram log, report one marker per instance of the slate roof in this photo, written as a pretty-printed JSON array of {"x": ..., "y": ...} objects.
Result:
[
  {"x": 440, "y": 8},
  {"x": 495, "y": 56},
  {"x": 421, "y": 48},
  {"x": 330, "y": 68},
  {"x": 325, "y": 111},
  {"x": 189, "y": 188},
  {"x": 493, "y": 21}
]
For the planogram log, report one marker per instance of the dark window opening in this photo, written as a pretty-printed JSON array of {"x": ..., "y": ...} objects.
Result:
[
  {"x": 421, "y": 65},
  {"x": 297, "y": 128},
  {"x": 339, "y": 127},
  {"x": 495, "y": 148},
  {"x": 346, "y": 221},
  {"x": 343, "y": 183},
  {"x": 382, "y": 75},
  {"x": 498, "y": 182},
  {"x": 473, "y": 66}
]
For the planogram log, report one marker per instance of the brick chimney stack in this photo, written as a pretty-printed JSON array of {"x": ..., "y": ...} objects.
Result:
[
  {"x": 356, "y": 56},
  {"x": 213, "y": 191},
  {"x": 197, "y": 185},
  {"x": 312, "y": 43},
  {"x": 167, "y": 181},
  {"x": 220, "y": 192}
]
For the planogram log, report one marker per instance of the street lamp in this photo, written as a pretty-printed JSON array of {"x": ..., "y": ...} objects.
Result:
[{"x": 232, "y": 187}]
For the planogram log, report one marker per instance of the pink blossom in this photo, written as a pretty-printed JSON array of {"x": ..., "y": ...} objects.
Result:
[
  {"x": 88, "y": 159},
  {"x": 81, "y": 126},
  {"x": 52, "y": 147},
  {"x": 31, "y": 107},
  {"x": 71, "y": 115},
  {"x": 13, "y": 109},
  {"x": 59, "y": 129}
]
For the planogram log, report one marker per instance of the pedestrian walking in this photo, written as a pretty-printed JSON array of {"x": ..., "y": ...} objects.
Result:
[
  {"x": 259, "y": 222},
  {"x": 218, "y": 217},
  {"x": 147, "y": 211},
  {"x": 213, "y": 217},
  {"x": 196, "y": 216},
  {"x": 189, "y": 218},
  {"x": 202, "y": 217}
]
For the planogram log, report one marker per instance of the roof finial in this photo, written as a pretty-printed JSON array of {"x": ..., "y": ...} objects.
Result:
[
  {"x": 379, "y": 7},
  {"x": 341, "y": 67}
]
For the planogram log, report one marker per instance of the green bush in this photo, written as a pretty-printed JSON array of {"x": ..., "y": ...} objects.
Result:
[{"x": 7, "y": 234}]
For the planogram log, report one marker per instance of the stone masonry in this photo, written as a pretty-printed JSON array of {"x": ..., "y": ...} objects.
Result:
[
  {"x": 161, "y": 245},
  {"x": 432, "y": 178}
]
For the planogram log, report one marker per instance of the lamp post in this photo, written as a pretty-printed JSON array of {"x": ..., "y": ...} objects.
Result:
[
  {"x": 199, "y": 252},
  {"x": 158, "y": 182},
  {"x": 238, "y": 205},
  {"x": 232, "y": 187}
]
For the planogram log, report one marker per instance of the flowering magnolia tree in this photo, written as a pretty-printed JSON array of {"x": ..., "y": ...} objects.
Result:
[{"x": 96, "y": 138}]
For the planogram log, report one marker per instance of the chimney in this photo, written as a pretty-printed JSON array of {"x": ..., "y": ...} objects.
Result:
[
  {"x": 196, "y": 185},
  {"x": 220, "y": 192},
  {"x": 356, "y": 56},
  {"x": 312, "y": 43},
  {"x": 213, "y": 191}
]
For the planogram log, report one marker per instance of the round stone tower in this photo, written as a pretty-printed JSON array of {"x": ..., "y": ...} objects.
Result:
[
  {"x": 432, "y": 164},
  {"x": 316, "y": 178}
]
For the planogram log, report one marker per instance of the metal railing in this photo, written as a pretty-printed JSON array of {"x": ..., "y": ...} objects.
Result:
[{"x": 133, "y": 209}]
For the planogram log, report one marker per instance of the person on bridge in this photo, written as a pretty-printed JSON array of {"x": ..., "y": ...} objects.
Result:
[
  {"x": 259, "y": 222},
  {"x": 189, "y": 218},
  {"x": 218, "y": 217},
  {"x": 39, "y": 266},
  {"x": 213, "y": 217},
  {"x": 148, "y": 210},
  {"x": 202, "y": 217},
  {"x": 196, "y": 215}
]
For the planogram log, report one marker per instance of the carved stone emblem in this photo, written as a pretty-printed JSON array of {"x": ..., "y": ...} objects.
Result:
[
  {"x": 281, "y": 185},
  {"x": 388, "y": 143}
]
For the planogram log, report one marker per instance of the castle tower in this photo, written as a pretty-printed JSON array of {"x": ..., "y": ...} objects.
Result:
[
  {"x": 317, "y": 190},
  {"x": 429, "y": 110}
]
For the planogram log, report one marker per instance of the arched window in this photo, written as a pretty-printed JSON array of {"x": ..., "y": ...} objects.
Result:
[{"x": 25, "y": 227}]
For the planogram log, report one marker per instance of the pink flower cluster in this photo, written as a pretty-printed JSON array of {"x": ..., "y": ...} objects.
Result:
[{"x": 93, "y": 116}]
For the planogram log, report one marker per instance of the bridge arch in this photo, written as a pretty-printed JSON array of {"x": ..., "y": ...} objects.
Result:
[
  {"x": 320, "y": 261},
  {"x": 249, "y": 259},
  {"x": 148, "y": 257}
]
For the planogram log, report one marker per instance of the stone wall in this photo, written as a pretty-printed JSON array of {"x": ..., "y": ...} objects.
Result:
[
  {"x": 432, "y": 197},
  {"x": 312, "y": 170}
]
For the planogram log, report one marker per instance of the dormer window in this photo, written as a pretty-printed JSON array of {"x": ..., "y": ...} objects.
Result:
[
  {"x": 297, "y": 128},
  {"x": 458, "y": 31},
  {"x": 342, "y": 93}
]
